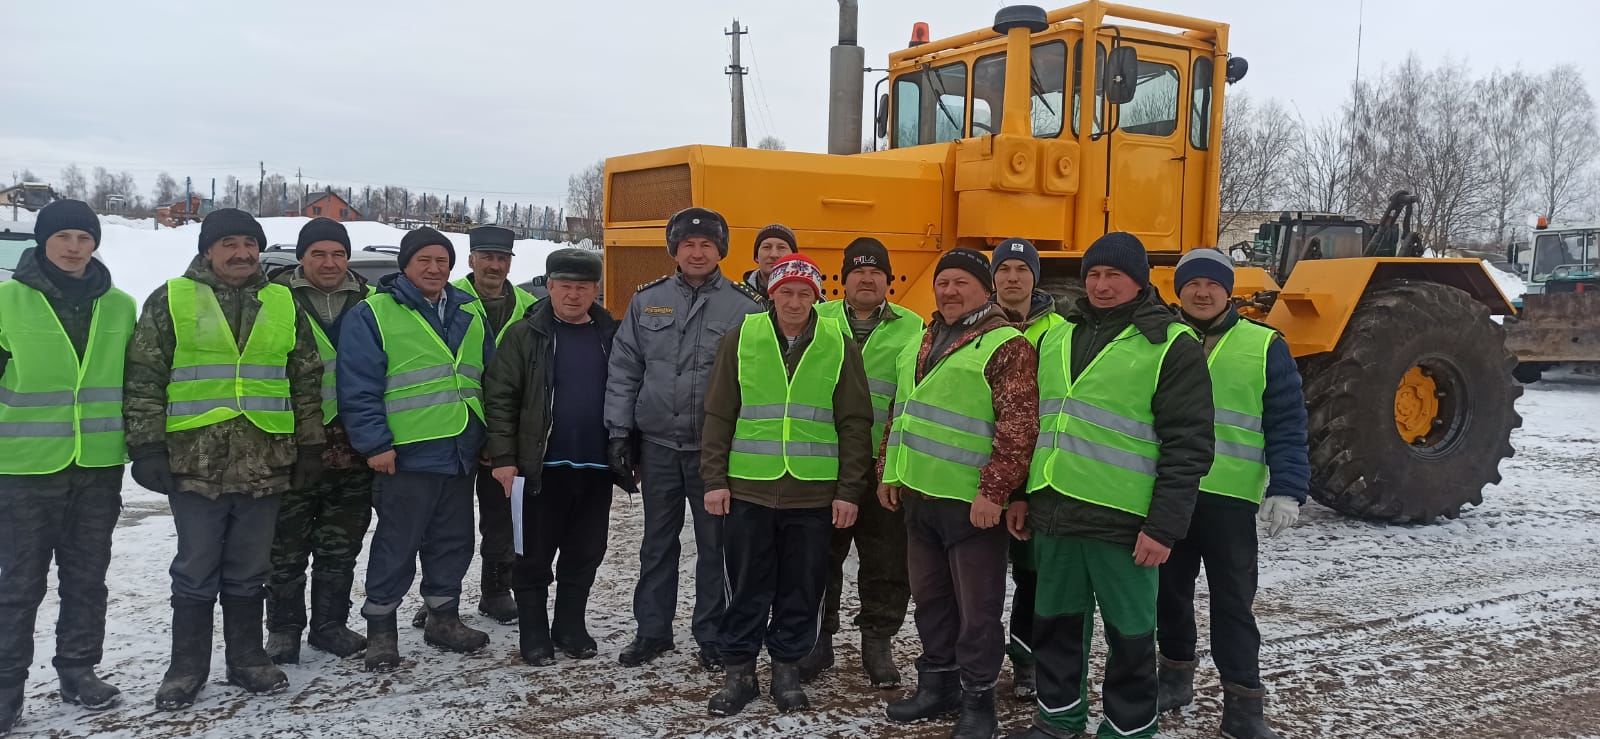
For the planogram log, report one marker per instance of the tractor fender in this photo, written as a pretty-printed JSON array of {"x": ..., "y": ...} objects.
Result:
[{"x": 1313, "y": 309}]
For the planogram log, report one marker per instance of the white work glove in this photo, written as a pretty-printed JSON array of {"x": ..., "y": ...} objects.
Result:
[{"x": 1278, "y": 512}]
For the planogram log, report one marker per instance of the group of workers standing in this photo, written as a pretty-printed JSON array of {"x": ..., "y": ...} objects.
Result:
[{"x": 1106, "y": 451}]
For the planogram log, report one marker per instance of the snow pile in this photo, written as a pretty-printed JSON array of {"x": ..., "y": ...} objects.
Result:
[
  {"x": 141, "y": 257},
  {"x": 1510, "y": 284}
]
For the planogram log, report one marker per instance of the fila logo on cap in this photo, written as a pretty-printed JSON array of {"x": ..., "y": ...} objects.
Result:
[{"x": 865, "y": 259}]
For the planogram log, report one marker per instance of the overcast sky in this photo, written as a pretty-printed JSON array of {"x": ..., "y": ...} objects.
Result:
[{"x": 504, "y": 100}]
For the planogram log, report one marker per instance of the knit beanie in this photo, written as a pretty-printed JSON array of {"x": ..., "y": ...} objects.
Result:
[
  {"x": 225, "y": 222},
  {"x": 969, "y": 260},
  {"x": 866, "y": 252},
  {"x": 321, "y": 229},
  {"x": 795, "y": 268},
  {"x": 63, "y": 215},
  {"x": 1019, "y": 249},
  {"x": 697, "y": 222},
  {"x": 413, "y": 242},
  {"x": 1208, "y": 263},
  {"x": 775, "y": 231},
  {"x": 1121, "y": 251}
]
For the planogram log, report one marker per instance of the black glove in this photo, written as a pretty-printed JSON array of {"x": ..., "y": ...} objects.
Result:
[
  {"x": 622, "y": 465},
  {"x": 307, "y": 467},
  {"x": 153, "y": 472}
]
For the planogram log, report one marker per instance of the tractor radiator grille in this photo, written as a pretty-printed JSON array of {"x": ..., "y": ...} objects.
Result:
[{"x": 649, "y": 194}]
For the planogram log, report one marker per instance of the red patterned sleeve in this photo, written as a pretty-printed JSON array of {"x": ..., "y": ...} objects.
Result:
[{"x": 1013, "y": 376}]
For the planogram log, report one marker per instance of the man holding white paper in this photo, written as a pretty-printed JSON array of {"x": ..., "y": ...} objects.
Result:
[{"x": 544, "y": 397}]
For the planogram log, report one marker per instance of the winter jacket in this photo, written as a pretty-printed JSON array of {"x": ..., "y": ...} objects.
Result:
[
  {"x": 1013, "y": 376},
  {"x": 757, "y": 282},
  {"x": 1283, "y": 415},
  {"x": 363, "y": 367},
  {"x": 328, "y": 310},
  {"x": 662, "y": 357},
  {"x": 1183, "y": 420},
  {"x": 517, "y": 402},
  {"x": 233, "y": 456},
  {"x": 852, "y": 421},
  {"x": 75, "y": 311}
]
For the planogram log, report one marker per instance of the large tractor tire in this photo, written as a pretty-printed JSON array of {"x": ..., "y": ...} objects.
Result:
[
  {"x": 1412, "y": 411},
  {"x": 1066, "y": 289}
]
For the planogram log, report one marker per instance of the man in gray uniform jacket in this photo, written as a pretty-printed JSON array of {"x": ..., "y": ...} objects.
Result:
[{"x": 655, "y": 396}]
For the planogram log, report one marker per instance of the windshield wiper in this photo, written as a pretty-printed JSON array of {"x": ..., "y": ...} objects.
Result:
[{"x": 938, "y": 91}]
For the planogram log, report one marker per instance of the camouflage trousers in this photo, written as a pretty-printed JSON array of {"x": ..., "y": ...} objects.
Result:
[{"x": 328, "y": 520}]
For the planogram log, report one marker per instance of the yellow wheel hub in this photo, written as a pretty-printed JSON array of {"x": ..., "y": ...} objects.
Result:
[{"x": 1416, "y": 405}]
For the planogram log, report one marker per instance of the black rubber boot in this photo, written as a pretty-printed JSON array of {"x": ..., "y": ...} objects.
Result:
[
  {"x": 445, "y": 631},
  {"x": 1243, "y": 713},
  {"x": 81, "y": 687},
  {"x": 738, "y": 689},
  {"x": 977, "y": 719},
  {"x": 1174, "y": 684},
  {"x": 383, "y": 643},
  {"x": 818, "y": 660},
  {"x": 10, "y": 708},
  {"x": 877, "y": 660},
  {"x": 533, "y": 627},
  {"x": 330, "y": 609},
  {"x": 286, "y": 616},
  {"x": 191, "y": 654},
  {"x": 787, "y": 693},
  {"x": 1023, "y": 687},
  {"x": 938, "y": 694},
  {"x": 496, "y": 601},
  {"x": 710, "y": 657},
  {"x": 568, "y": 631},
  {"x": 642, "y": 651},
  {"x": 249, "y": 667}
]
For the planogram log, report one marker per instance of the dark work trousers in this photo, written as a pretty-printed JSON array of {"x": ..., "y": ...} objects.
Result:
[
  {"x": 776, "y": 565},
  {"x": 494, "y": 520},
  {"x": 670, "y": 480},
  {"x": 224, "y": 545},
  {"x": 1026, "y": 579},
  {"x": 68, "y": 515},
  {"x": 570, "y": 515},
  {"x": 1222, "y": 536},
  {"x": 958, "y": 580},
  {"x": 422, "y": 513},
  {"x": 880, "y": 539},
  {"x": 328, "y": 519}
]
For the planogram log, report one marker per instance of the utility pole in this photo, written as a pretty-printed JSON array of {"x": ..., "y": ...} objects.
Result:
[
  {"x": 737, "y": 73},
  {"x": 298, "y": 185},
  {"x": 261, "y": 190}
]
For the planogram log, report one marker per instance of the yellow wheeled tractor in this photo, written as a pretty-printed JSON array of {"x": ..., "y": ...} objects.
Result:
[{"x": 1407, "y": 378}]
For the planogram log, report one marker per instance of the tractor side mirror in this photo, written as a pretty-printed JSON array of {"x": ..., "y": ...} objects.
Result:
[
  {"x": 1122, "y": 75},
  {"x": 882, "y": 118}
]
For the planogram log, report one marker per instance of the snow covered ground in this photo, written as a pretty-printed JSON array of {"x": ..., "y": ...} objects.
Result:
[
  {"x": 1485, "y": 626},
  {"x": 142, "y": 257}
]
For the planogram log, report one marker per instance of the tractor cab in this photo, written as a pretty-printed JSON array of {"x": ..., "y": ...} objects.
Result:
[
  {"x": 1559, "y": 259},
  {"x": 1304, "y": 236}
]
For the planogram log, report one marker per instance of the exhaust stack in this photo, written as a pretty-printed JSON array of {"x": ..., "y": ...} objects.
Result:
[{"x": 846, "y": 85}]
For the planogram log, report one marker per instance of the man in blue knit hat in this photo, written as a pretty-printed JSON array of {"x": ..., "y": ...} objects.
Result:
[
  {"x": 1124, "y": 437},
  {"x": 1260, "y": 428}
]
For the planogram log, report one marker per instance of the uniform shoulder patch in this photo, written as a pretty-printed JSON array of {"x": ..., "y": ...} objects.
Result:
[
  {"x": 652, "y": 283},
  {"x": 747, "y": 291}
]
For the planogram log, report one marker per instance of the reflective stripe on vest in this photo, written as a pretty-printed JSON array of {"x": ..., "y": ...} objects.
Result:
[
  {"x": 1238, "y": 365},
  {"x": 1097, "y": 436},
  {"x": 330, "y": 358},
  {"x": 54, "y": 409},
  {"x": 785, "y": 424},
  {"x": 943, "y": 428},
  {"x": 524, "y": 301},
  {"x": 429, "y": 391},
  {"x": 880, "y": 355},
  {"x": 212, "y": 380}
]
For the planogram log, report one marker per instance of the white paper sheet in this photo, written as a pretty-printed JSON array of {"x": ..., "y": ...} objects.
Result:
[{"x": 516, "y": 512}]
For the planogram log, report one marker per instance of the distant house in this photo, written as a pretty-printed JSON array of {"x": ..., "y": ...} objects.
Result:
[
  {"x": 29, "y": 195},
  {"x": 327, "y": 205}
]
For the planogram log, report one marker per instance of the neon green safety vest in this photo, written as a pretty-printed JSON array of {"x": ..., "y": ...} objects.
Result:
[
  {"x": 943, "y": 430},
  {"x": 1097, "y": 435},
  {"x": 785, "y": 424},
  {"x": 212, "y": 380},
  {"x": 881, "y": 356},
  {"x": 330, "y": 359},
  {"x": 54, "y": 409},
  {"x": 524, "y": 300},
  {"x": 1238, "y": 366},
  {"x": 1038, "y": 328},
  {"x": 429, "y": 390}
]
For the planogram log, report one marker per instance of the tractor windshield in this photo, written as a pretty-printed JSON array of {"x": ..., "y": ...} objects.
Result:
[
  {"x": 930, "y": 105},
  {"x": 1553, "y": 250}
]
